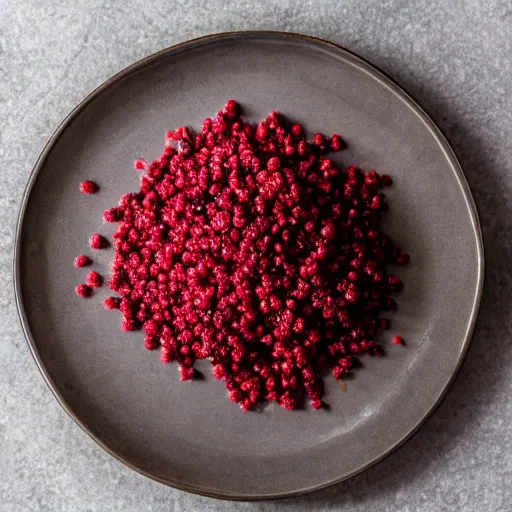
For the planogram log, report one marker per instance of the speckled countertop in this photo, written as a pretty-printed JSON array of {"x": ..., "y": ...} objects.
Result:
[{"x": 453, "y": 56}]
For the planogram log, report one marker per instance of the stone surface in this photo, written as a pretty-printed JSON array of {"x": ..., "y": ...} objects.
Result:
[{"x": 453, "y": 56}]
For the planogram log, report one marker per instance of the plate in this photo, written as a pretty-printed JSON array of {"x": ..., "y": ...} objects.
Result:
[{"x": 189, "y": 435}]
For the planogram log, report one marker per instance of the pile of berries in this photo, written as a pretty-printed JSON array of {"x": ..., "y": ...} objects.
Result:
[{"x": 246, "y": 245}]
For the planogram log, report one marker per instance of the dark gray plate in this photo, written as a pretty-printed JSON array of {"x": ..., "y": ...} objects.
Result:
[{"x": 188, "y": 434}]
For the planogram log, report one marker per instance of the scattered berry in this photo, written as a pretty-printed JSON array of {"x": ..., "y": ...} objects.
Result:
[
  {"x": 98, "y": 241},
  {"x": 398, "y": 340},
  {"x": 94, "y": 279},
  {"x": 82, "y": 290},
  {"x": 111, "y": 303},
  {"x": 112, "y": 215},
  {"x": 140, "y": 164},
  {"x": 82, "y": 261},
  {"x": 88, "y": 187}
]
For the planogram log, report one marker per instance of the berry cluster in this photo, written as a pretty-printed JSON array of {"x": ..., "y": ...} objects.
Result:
[{"x": 248, "y": 246}]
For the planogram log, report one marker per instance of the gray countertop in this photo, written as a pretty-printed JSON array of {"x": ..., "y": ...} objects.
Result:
[{"x": 453, "y": 56}]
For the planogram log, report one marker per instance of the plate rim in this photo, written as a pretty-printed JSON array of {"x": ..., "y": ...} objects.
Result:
[{"x": 386, "y": 80}]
